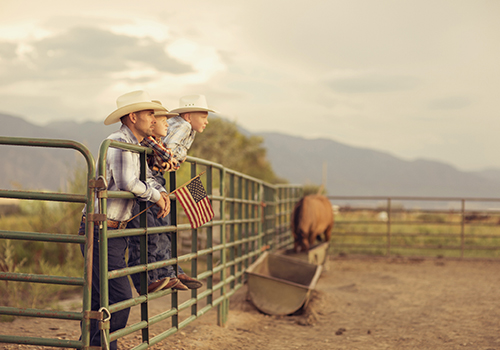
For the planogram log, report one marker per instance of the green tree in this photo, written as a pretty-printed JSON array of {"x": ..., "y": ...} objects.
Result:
[{"x": 221, "y": 142}]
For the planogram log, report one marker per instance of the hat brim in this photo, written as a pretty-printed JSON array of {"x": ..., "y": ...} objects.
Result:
[
  {"x": 181, "y": 110},
  {"x": 134, "y": 107},
  {"x": 165, "y": 114}
]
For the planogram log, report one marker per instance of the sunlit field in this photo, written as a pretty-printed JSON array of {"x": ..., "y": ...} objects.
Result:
[{"x": 417, "y": 233}]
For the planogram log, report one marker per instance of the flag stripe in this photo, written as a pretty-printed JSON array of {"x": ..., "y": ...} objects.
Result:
[
  {"x": 186, "y": 203},
  {"x": 189, "y": 207}
]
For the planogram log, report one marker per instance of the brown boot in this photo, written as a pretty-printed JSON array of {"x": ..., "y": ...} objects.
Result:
[
  {"x": 190, "y": 282},
  {"x": 173, "y": 282},
  {"x": 180, "y": 286},
  {"x": 158, "y": 285}
]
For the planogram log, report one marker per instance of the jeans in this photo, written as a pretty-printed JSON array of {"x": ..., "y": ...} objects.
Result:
[
  {"x": 134, "y": 249},
  {"x": 159, "y": 246},
  {"x": 119, "y": 288},
  {"x": 164, "y": 252}
]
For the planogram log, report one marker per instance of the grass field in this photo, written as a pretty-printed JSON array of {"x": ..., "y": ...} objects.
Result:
[{"x": 416, "y": 233}]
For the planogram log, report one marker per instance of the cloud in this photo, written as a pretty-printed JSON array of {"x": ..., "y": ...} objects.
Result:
[
  {"x": 7, "y": 52},
  {"x": 372, "y": 83},
  {"x": 84, "y": 52},
  {"x": 451, "y": 102}
]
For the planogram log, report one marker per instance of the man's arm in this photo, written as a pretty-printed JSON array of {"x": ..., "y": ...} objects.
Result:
[{"x": 123, "y": 169}]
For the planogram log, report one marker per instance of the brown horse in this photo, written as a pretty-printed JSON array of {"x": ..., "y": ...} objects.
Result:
[{"x": 311, "y": 217}]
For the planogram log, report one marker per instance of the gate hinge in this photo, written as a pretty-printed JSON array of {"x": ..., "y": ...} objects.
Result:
[
  {"x": 94, "y": 315},
  {"x": 96, "y": 217},
  {"x": 100, "y": 185}
]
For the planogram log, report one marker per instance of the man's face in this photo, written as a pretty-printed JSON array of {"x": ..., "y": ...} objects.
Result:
[
  {"x": 161, "y": 127},
  {"x": 198, "y": 120},
  {"x": 145, "y": 122}
]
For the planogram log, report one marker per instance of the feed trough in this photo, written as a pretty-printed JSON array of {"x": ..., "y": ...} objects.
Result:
[
  {"x": 317, "y": 254},
  {"x": 280, "y": 285}
]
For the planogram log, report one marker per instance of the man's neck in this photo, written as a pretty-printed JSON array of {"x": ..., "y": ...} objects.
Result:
[{"x": 135, "y": 133}]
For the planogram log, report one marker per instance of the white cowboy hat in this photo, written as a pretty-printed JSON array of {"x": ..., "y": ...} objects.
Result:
[
  {"x": 164, "y": 113},
  {"x": 192, "y": 103},
  {"x": 134, "y": 101}
]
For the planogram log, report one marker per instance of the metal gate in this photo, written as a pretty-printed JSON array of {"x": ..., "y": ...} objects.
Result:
[
  {"x": 84, "y": 281},
  {"x": 251, "y": 216}
]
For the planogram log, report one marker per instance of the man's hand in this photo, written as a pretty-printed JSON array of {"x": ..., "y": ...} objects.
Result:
[
  {"x": 166, "y": 198},
  {"x": 161, "y": 203}
]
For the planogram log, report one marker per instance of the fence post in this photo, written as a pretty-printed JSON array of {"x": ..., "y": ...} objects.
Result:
[
  {"x": 389, "y": 218},
  {"x": 194, "y": 249},
  {"x": 173, "y": 241},
  {"x": 223, "y": 308},
  {"x": 462, "y": 230},
  {"x": 210, "y": 240}
]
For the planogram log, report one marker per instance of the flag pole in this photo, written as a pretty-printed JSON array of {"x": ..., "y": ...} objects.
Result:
[{"x": 178, "y": 188}]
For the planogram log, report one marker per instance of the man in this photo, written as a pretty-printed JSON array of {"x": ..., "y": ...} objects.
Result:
[{"x": 136, "y": 113}]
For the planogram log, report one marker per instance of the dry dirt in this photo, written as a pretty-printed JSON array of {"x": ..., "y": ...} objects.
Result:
[{"x": 358, "y": 303}]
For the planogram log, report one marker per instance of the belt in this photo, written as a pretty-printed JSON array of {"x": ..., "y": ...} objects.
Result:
[{"x": 113, "y": 223}]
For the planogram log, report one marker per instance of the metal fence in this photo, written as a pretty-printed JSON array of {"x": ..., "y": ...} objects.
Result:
[
  {"x": 84, "y": 281},
  {"x": 417, "y": 226},
  {"x": 251, "y": 216}
]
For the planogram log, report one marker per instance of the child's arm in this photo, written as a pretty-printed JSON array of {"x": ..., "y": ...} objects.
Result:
[
  {"x": 163, "y": 157},
  {"x": 179, "y": 139}
]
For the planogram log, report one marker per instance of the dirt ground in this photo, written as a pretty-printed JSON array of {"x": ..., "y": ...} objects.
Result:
[{"x": 358, "y": 303}]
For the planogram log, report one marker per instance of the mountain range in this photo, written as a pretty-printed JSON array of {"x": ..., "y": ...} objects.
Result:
[{"x": 349, "y": 170}]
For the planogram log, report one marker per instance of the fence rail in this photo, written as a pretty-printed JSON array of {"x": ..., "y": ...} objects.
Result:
[
  {"x": 417, "y": 226},
  {"x": 85, "y": 281},
  {"x": 251, "y": 216}
]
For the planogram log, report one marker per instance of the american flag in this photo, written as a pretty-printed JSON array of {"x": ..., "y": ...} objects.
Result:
[{"x": 194, "y": 200}]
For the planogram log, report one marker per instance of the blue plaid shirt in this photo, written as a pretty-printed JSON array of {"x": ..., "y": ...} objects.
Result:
[
  {"x": 180, "y": 137},
  {"x": 122, "y": 174}
]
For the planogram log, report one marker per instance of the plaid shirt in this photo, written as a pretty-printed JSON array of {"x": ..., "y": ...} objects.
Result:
[
  {"x": 180, "y": 137},
  {"x": 162, "y": 160},
  {"x": 122, "y": 174}
]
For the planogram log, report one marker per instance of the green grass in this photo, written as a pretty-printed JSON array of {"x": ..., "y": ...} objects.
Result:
[
  {"x": 415, "y": 234},
  {"x": 45, "y": 258}
]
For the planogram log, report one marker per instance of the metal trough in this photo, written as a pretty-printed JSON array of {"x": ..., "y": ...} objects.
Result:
[
  {"x": 280, "y": 285},
  {"x": 317, "y": 254}
]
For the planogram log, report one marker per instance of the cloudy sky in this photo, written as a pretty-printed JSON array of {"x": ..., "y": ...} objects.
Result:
[{"x": 416, "y": 78}]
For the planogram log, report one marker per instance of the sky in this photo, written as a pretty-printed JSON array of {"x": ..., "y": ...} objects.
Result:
[{"x": 415, "y": 78}]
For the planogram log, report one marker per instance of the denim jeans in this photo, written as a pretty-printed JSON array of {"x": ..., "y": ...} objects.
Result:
[
  {"x": 164, "y": 252},
  {"x": 134, "y": 250},
  {"x": 159, "y": 246},
  {"x": 119, "y": 288}
]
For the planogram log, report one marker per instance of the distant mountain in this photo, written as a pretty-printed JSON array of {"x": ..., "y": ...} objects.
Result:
[
  {"x": 491, "y": 174},
  {"x": 33, "y": 167},
  {"x": 358, "y": 171},
  {"x": 350, "y": 170}
]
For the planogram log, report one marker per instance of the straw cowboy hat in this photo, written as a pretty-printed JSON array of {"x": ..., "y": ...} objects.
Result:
[
  {"x": 134, "y": 101},
  {"x": 164, "y": 113},
  {"x": 192, "y": 103}
]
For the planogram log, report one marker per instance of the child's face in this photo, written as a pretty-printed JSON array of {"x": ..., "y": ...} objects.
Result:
[
  {"x": 198, "y": 120},
  {"x": 161, "y": 126}
]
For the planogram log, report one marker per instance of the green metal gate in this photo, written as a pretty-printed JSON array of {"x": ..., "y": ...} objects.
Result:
[
  {"x": 251, "y": 216},
  {"x": 85, "y": 281}
]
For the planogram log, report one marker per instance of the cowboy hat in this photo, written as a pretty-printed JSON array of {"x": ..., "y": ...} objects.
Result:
[
  {"x": 192, "y": 103},
  {"x": 134, "y": 101},
  {"x": 164, "y": 113}
]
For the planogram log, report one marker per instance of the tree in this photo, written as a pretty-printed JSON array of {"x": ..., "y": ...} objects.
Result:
[{"x": 221, "y": 142}]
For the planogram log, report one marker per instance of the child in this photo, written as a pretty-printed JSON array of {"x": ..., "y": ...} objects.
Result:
[
  {"x": 161, "y": 161},
  {"x": 193, "y": 117}
]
